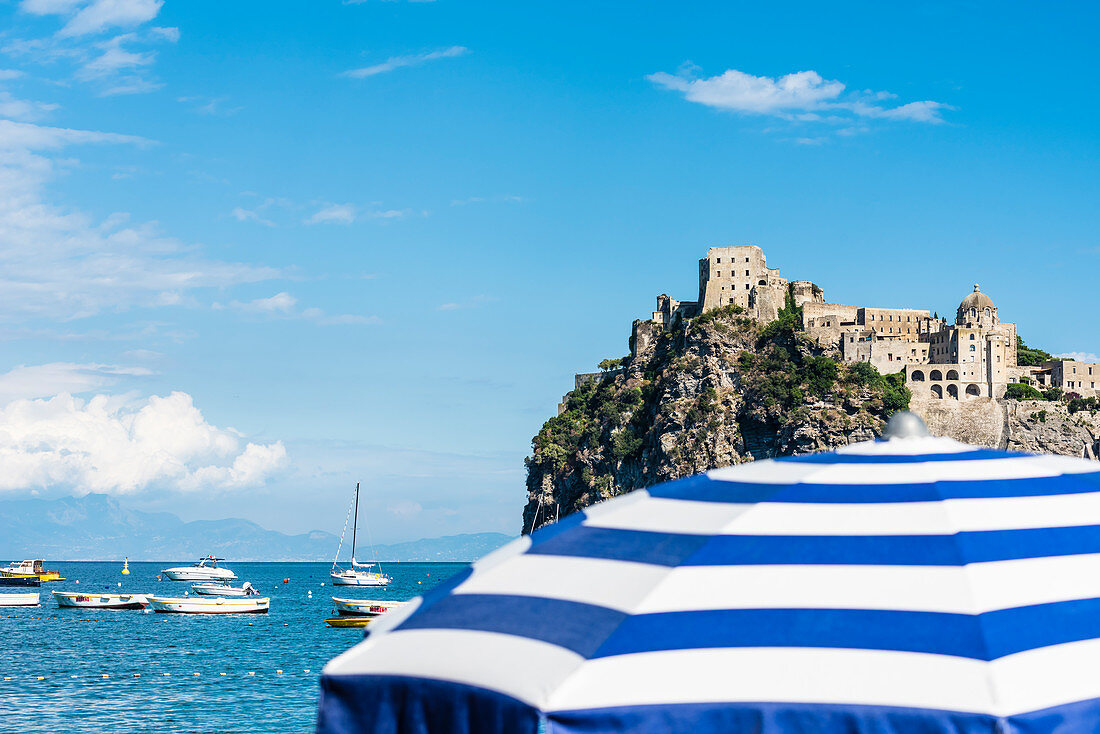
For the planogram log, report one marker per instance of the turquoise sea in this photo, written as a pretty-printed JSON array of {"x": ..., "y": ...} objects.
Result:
[{"x": 180, "y": 673}]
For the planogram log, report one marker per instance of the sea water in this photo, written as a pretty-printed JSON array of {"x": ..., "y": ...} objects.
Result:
[{"x": 180, "y": 672}]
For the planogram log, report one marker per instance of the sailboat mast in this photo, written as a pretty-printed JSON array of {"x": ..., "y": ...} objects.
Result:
[{"x": 355, "y": 524}]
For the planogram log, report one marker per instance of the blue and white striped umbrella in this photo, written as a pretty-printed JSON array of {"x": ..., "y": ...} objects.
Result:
[{"x": 898, "y": 587}]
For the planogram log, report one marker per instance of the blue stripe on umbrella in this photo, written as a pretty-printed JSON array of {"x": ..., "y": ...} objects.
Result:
[
  {"x": 830, "y": 458},
  {"x": 721, "y": 491},
  {"x": 675, "y": 549},
  {"x": 573, "y": 625},
  {"x": 733, "y": 717},
  {"x": 986, "y": 636},
  {"x": 639, "y": 546}
]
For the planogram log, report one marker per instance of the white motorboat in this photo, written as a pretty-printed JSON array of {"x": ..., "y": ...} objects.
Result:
[
  {"x": 100, "y": 601},
  {"x": 364, "y": 607},
  {"x": 358, "y": 574},
  {"x": 206, "y": 569},
  {"x": 223, "y": 589},
  {"x": 18, "y": 600},
  {"x": 210, "y": 605}
]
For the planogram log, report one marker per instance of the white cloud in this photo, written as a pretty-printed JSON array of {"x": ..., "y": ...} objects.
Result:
[
  {"x": 278, "y": 303},
  {"x": 114, "y": 66},
  {"x": 100, "y": 15},
  {"x": 397, "y": 62},
  {"x": 23, "y": 110},
  {"x": 172, "y": 35},
  {"x": 21, "y": 136},
  {"x": 58, "y": 263},
  {"x": 210, "y": 105},
  {"x": 1079, "y": 356},
  {"x": 804, "y": 96},
  {"x": 505, "y": 199},
  {"x": 43, "y": 380},
  {"x": 344, "y": 319},
  {"x": 284, "y": 305},
  {"x": 250, "y": 215},
  {"x": 50, "y": 7},
  {"x": 334, "y": 214},
  {"x": 474, "y": 302},
  {"x": 9, "y": 74},
  {"x": 114, "y": 59},
  {"x": 116, "y": 446}
]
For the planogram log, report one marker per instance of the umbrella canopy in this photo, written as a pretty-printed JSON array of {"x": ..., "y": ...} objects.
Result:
[{"x": 904, "y": 586}]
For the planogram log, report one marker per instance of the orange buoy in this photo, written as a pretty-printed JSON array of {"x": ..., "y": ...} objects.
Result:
[{"x": 286, "y": 581}]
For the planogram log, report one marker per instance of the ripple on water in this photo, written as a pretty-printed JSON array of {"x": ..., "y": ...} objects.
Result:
[{"x": 136, "y": 649}]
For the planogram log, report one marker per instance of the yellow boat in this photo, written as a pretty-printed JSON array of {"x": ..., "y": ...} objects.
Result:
[
  {"x": 30, "y": 570},
  {"x": 348, "y": 621}
]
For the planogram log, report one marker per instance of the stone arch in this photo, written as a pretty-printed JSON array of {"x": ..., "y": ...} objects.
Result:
[
  {"x": 762, "y": 282},
  {"x": 937, "y": 392},
  {"x": 953, "y": 391},
  {"x": 916, "y": 376},
  {"x": 973, "y": 390},
  {"x": 935, "y": 375},
  {"x": 952, "y": 374}
]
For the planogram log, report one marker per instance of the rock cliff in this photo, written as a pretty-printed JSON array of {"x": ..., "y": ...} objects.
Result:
[
  {"x": 723, "y": 389},
  {"x": 712, "y": 391}
]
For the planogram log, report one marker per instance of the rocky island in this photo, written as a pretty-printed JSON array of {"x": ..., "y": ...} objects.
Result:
[{"x": 760, "y": 367}]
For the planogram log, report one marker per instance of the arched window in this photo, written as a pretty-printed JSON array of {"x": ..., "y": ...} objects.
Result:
[
  {"x": 952, "y": 375},
  {"x": 988, "y": 313},
  {"x": 953, "y": 391},
  {"x": 971, "y": 337},
  {"x": 973, "y": 391},
  {"x": 937, "y": 392},
  {"x": 916, "y": 376},
  {"x": 935, "y": 376},
  {"x": 763, "y": 282}
]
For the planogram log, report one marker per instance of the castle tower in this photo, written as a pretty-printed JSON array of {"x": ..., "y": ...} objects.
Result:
[{"x": 977, "y": 309}]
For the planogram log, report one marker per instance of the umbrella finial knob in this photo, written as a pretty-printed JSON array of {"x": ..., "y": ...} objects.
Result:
[{"x": 905, "y": 425}]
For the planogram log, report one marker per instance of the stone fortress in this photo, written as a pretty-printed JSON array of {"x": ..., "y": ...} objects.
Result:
[{"x": 974, "y": 357}]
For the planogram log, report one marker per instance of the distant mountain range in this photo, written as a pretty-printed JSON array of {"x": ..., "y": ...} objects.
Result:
[{"x": 96, "y": 527}]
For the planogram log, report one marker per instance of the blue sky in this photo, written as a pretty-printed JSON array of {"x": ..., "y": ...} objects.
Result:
[{"x": 251, "y": 253}]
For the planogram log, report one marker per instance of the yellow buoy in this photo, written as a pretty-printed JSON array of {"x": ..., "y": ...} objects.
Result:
[{"x": 125, "y": 566}]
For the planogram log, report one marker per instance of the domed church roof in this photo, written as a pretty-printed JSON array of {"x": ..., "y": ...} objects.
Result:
[{"x": 977, "y": 300}]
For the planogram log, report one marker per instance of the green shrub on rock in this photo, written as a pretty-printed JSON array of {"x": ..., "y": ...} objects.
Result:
[{"x": 1020, "y": 391}]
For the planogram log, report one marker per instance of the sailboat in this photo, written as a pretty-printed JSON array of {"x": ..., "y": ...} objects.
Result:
[{"x": 357, "y": 574}]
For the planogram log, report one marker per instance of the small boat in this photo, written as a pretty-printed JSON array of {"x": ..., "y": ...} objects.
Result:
[
  {"x": 353, "y": 576},
  {"x": 364, "y": 607},
  {"x": 245, "y": 589},
  {"x": 19, "y": 581},
  {"x": 100, "y": 601},
  {"x": 348, "y": 621},
  {"x": 18, "y": 600},
  {"x": 33, "y": 569},
  {"x": 210, "y": 605},
  {"x": 206, "y": 569}
]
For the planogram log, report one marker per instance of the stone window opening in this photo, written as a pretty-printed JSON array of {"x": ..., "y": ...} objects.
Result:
[{"x": 718, "y": 260}]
